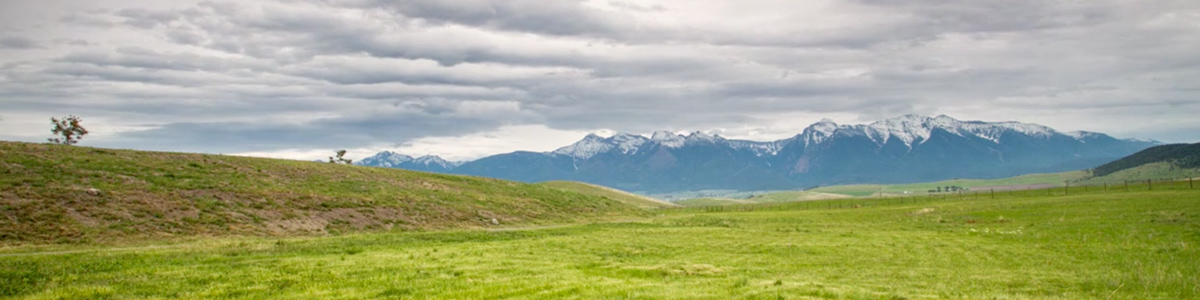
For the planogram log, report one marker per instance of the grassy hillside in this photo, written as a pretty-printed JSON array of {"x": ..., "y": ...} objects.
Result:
[
  {"x": 1089, "y": 245},
  {"x": 1155, "y": 171},
  {"x": 610, "y": 193},
  {"x": 1183, "y": 156},
  {"x": 78, "y": 194}
]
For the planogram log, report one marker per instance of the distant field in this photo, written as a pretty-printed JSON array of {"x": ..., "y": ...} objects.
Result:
[
  {"x": 712, "y": 202},
  {"x": 790, "y": 196},
  {"x": 1053, "y": 179},
  {"x": 1025, "y": 245},
  {"x": 776, "y": 197}
]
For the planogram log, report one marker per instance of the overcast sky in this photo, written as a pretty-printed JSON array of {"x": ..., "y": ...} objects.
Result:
[{"x": 467, "y": 78}]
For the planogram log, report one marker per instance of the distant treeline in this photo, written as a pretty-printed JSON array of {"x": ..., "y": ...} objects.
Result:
[
  {"x": 949, "y": 188},
  {"x": 1179, "y": 155}
]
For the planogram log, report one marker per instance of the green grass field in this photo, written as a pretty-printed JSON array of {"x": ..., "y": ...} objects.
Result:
[
  {"x": 1027, "y": 245},
  {"x": 862, "y": 190}
]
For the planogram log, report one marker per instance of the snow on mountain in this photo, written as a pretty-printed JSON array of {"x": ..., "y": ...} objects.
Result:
[
  {"x": 916, "y": 129},
  {"x": 628, "y": 143},
  {"x": 593, "y": 144},
  {"x": 1083, "y": 136},
  {"x": 668, "y": 139},
  {"x": 433, "y": 160},
  {"x": 759, "y": 148},
  {"x": 818, "y": 132},
  {"x": 1139, "y": 140},
  {"x": 701, "y": 138},
  {"x": 385, "y": 159},
  {"x": 907, "y": 128},
  {"x": 589, "y": 146}
]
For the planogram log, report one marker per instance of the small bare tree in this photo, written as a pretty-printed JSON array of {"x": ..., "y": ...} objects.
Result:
[
  {"x": 68, "y": 127},
  {"x": 339, "y": 159}
]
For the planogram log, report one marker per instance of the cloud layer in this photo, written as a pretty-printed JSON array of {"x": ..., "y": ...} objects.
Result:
[{"x": 294, "y": 76}]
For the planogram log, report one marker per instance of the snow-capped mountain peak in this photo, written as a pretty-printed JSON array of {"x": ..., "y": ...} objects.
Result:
[
  {"x": 385, "y": 159},
  {"x": 910, "y": 129},
  {"x": 628, "y": 143},
  {"x": 701, "y": 137},
  {"x": 593, "y": 144},
  {"x": 818, "y": 132},
  {"x": 668, "y": 139},
  {"x": 916, "y": 129},
  {"x": 1082, "y": 136},
  {"x": 434, "y": 160},
  {"x": 589, "y": 146}
]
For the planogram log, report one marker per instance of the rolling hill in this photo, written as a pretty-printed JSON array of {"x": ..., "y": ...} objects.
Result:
[
  {"x": 53, "y": 193},
  {"x": 1174, "y": 156}
]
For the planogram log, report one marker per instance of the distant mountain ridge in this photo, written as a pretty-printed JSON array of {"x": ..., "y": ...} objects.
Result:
[{"x": 904, "y": 149}]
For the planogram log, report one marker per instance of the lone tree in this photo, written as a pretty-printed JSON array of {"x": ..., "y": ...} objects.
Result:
[
  {"x": 339, "y": 159},
  {"x": 68, "y": 127}
]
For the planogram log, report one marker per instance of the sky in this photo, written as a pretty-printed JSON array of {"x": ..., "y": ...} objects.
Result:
[{"x": 464, "y": 79}]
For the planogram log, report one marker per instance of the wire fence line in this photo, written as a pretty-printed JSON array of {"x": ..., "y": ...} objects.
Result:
[{"x": 1067, "y": 189}]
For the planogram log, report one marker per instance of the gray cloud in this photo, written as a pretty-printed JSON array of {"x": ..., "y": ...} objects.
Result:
[
  {"x": 19, "y": 43},
  {"x": 566, "y": 18},
  {"x": 225, "y": 76},
  {"x": 329, "y": 133}
]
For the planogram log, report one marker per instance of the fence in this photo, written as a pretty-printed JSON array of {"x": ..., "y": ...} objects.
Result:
[{"x": 1067, "y": 189}]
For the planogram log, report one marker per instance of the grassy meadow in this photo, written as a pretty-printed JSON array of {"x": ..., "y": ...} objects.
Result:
[
  {"x": 1036, "y": 245},
  {"x": 862, "y": 190}
]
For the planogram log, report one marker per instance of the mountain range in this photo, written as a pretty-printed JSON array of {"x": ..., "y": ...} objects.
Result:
[{"x": 904, "y": 149}]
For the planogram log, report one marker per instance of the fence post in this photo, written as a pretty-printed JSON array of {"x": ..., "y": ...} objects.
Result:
[
  {"x": 1066, "y": 188},
  {"x": 1105, "y": 187},
  {"x": 1127, "y": 185},
  {"x": 1190, "y": 183},
  {"x": 993, "y": 194},
  {"x": 1150, "y": 184}
]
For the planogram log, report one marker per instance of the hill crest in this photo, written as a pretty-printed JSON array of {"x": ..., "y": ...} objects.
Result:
[{"x": 78, "y": 194}]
